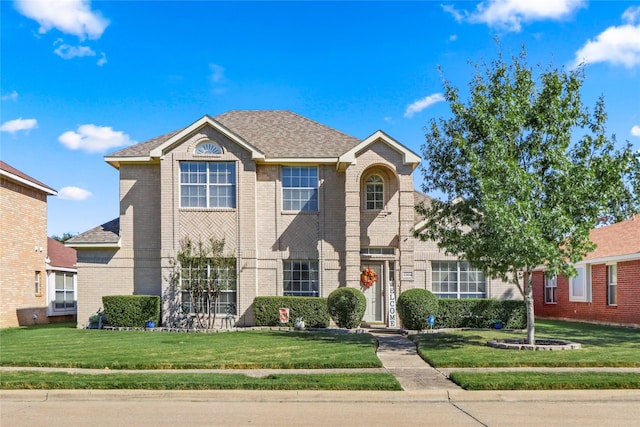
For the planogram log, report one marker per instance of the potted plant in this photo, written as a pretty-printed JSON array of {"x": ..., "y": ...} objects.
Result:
[
  {"x": 497, "y": 324},
  {"x": 299, "y": 324}
]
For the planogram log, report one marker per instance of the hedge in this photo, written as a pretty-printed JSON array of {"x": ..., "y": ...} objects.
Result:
[
  {"x": 480, "y": 313},
  {"x": 132, "y": 311},
  {"x": 312, "y": 310}
]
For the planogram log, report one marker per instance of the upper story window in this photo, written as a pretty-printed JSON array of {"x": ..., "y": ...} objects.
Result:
[
  {"x": 207, "y": 184},
  {"x": 300, "y": 188},
  {"x": 374, "y": 190},
  {"x": 207, "y": 147}
]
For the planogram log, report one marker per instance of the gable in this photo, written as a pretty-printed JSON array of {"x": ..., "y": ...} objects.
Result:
[{"x": 350, "y": 157}]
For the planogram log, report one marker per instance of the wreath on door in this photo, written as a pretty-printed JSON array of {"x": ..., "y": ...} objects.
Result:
[{"x": 368, "y": 277}]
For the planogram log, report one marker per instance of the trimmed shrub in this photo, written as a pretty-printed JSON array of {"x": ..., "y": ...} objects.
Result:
[
  {"x": 312, "y": 310},
  {"x": 131, "y": 311},
  {"x": 346, "y": 307},
  {"x": 414, "y": 307},
  {"x": 480, "y": 313}
]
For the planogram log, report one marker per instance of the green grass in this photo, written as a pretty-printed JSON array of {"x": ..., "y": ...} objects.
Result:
[
  {"x": 81, "y": 348},
  {"x": 602, "y": 346},
  {"x": 11, "y": 380},
  {"x": 546, "y": 380}
]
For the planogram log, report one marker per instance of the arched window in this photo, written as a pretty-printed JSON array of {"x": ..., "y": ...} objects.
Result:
[
  {"x": 208, "y": 147},
  {"x": 374, "y": 190}
]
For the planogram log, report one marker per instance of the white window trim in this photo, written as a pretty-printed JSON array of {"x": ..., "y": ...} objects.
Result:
[
  {"x": 316, "y": 188},
  {"x": 611, "y": 283},
  {"x": 51, "y": 289},
  {"x": 586, "y": 284},
  {"x": 207, "y": 185},
  {"x": 553, "y": 280}
]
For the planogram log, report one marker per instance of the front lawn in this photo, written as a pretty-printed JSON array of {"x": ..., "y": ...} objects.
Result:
[
  {"x": 11, "y": 380},
  {"x": 546, "y": 380},
  {"x": 602, "y": 346},
  {"x": 82, "y": 348}
]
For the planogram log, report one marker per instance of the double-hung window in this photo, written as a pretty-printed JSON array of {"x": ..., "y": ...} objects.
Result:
[
  {"x": 374, "y": 192},
  {"x": 65, "y": 298},
  {"x": 207, "y": 184},
  {"x": 301, "y": 278},
  {"x": 612, "y": 284},
  {"x": 457, "y": 279},
  {"x": 206, "y": 283},
  {"x": 300, "y": 188},
  {"x": 550, "y": 289},
  {"x": 580, "y": 285}
]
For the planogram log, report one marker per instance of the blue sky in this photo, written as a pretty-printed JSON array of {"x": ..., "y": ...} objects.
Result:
[{"x": 82, "y": 79}]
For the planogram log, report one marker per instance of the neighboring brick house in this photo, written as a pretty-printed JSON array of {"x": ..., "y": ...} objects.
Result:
[
  {"x": 607, "y": 287},
  {"x": 303, "y": 208},
  {"x": 23, "y": 248}
]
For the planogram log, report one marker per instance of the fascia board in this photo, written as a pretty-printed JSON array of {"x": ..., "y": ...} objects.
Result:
[
  {"x": 28, "y": 183},
  {"x": 117, "y": 161},
  {"x": 409, "y": 157},
  {"x": 206, "y": 120},
  {"x": 98, "y": 245}
]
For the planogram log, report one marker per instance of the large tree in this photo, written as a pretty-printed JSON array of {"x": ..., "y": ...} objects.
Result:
[{"x": 526, "y": 170}]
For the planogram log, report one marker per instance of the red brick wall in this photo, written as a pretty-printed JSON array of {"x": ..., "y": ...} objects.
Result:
[
  {"x": 23, "y": 228},
  {"x": 627, "y": 311}
]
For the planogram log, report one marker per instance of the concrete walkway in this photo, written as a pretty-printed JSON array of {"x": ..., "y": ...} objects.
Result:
[{"x": 399, "y": 356}]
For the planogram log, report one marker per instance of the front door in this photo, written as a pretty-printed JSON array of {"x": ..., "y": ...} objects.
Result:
[{"x": 374, "y": 312}]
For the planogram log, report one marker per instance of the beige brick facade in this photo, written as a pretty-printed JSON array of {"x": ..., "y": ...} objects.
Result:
[
  {"x": 23, "y": 246},
  {"x": 258, "y": 232}
]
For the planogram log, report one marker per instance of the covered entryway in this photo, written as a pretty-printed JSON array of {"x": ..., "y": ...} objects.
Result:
[{"x": 374, "y": 294}]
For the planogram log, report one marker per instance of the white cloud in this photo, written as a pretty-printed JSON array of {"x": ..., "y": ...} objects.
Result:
[
  {"x": 13, "y": 126},
  {"x": 453, "y": 37},
  {"x": 631, "y": 15},
  {"x": 69, "y": 16},
  {"x": 217, "y": 73},
  {"x": 615, "y": 45},
  {"x": 10, "y": 97},
  {"x": 423, "y": 103},
  {"x": 635, "y": 130},
  {"x": 94, "y": 138},
  {"x": 66, "y": 51},
  {"x": 511, "y": 14},
  {"x": 73, "y": 193},
  {"x": 102, "y": 60}
]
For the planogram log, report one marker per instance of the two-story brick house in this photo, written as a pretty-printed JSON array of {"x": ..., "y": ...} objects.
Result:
[
  {"x": 303, "y": 209},
  {"x": 23, "y": 248}
]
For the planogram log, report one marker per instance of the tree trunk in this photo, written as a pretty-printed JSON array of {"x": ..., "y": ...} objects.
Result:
[{"x": 528, "y": 302}]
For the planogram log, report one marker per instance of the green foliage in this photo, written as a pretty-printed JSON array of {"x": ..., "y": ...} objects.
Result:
[
  {"x": 312, "y": 310},
  {"x": 480, "y": 313},
  {"x": 414, "y": 307},
  {"x": 65, "y": 236},
  {"x": 131, "y": 310},
  {"x": 346, "y": 307},
  {"x": 201, "y": 269},
  {"x": 521, "y": 191}
]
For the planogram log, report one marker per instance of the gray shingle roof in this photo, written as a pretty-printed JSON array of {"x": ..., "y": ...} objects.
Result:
[
  {"x": 109, "y": 232},
  {"x": 277, "y": 133},
  {"x": 284, "y": 134}
]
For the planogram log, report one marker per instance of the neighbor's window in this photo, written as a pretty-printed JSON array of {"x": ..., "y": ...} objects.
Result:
[
  {"x": 374, "y": 190},
  {"x": 301, "y": 278},
  {"x": 65, "y": 291},
  {"x": 37, "y": 287},
  {"x": 550, "y": 288},
  {"x": 207, "y": 184},
  {"x": 612, "y": 282},
  {"x": 457, "y": 279},
  {"x": 221, "y": 277},
  {"x": 580, "y": 285},
  {"x": 300, "y": 189}
]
